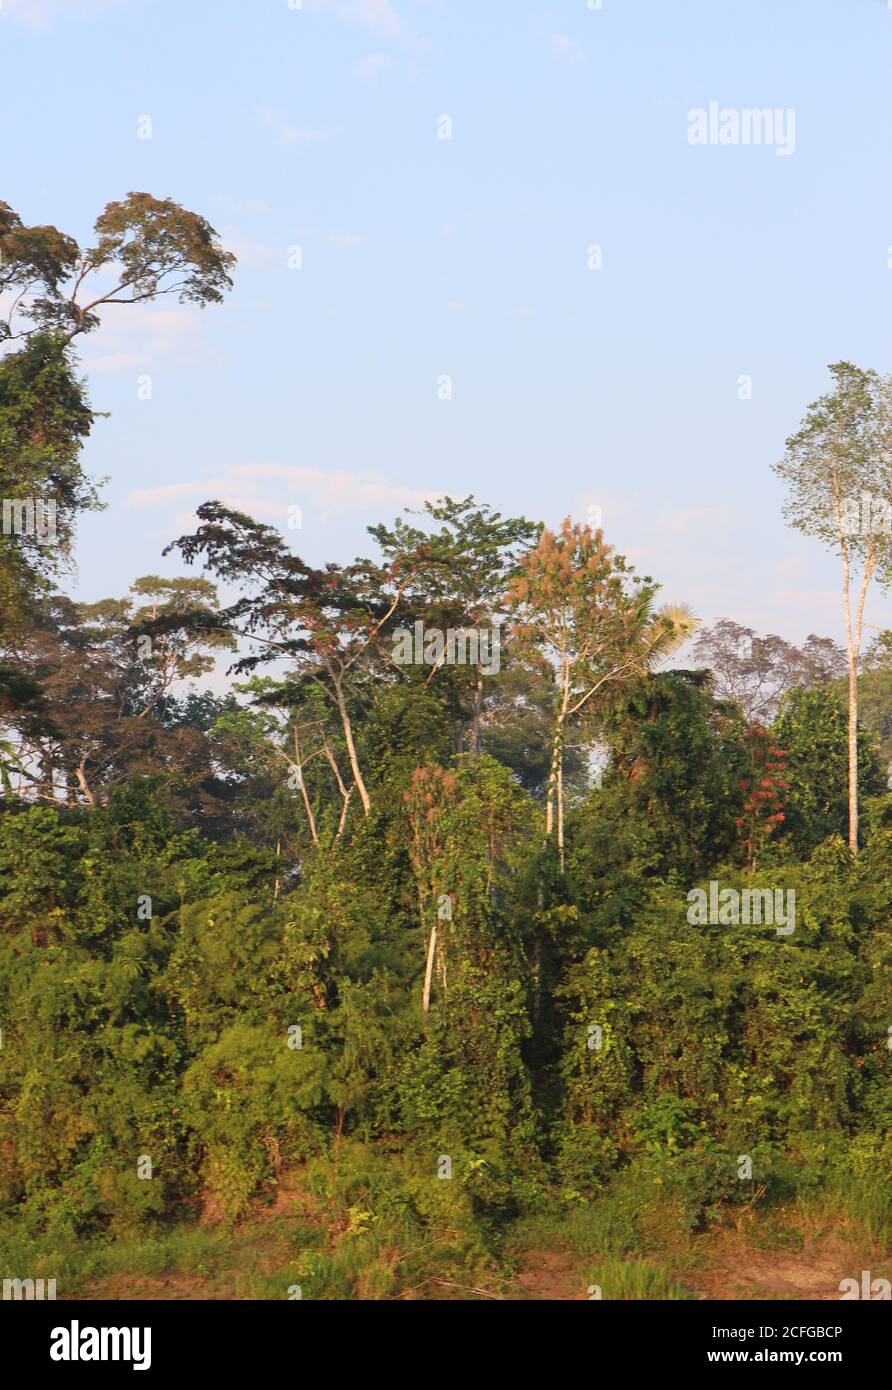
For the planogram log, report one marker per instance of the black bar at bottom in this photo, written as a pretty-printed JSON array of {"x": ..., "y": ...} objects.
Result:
[{"x": 291, "y": 1337}]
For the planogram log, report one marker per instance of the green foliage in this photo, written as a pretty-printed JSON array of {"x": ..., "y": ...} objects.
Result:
[
  {"x": 414, "y": 1007},
  {"x": 673, "y": 785},
  {"x": 811, "y": 730},
  {"x": 44, "y": 420},
  {"x": 635, "y": 1279}
]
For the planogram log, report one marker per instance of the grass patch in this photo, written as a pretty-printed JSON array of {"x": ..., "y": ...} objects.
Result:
[{"x": 635, "y": 1279}]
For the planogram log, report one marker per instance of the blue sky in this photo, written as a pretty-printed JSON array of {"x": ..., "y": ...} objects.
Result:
[{"x": 424, "y": 257}]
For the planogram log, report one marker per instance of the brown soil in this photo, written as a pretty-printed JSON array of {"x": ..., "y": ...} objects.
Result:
[
  {"x": 729, "y": 1269},
  {"x": 548, "y": 1275},
  {"x": 726, "y": 1265}
]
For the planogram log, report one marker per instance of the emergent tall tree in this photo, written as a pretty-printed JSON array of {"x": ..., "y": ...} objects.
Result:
[
  {"x": 461, "y": 571},
  {"x": 592, "y": 622},
  {"x": 53, "y": 291},
  {"x": 331, "y": 623},
  {"x": 838, "y": 467}
]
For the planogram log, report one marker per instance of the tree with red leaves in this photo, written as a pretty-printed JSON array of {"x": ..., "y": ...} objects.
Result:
[{"x": 763, "y": 793}]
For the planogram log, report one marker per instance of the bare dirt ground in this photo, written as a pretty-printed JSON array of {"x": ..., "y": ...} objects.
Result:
[
  {"x": 729, "y": 1269},
  {"x": 725, "y": 1264},
  {"x": 732, "y": 1271},
  {"x": 549, "y": 1275}
]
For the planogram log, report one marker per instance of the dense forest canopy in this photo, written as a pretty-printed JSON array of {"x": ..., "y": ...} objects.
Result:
[{"x": 411, "y": 899}]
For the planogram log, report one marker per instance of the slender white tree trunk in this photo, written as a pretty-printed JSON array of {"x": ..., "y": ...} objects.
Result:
[
  {"x": 552, "y": 781},
  {"x": 429, "y": 969},
  {"x": 854, "y": 658},
  {"x": 303, "y": 789},
  {"x": 554, "y": 809},
  {"x": 854, "y": 635},
  {"x": 351, "y": 750},
  {"x": 82, "y": 781},
  {"x": 476, "y": 717},
  {"x": 560, "y": 808},
  {"x": 852, "y": 702},
  {"x": 345, "y": 793}
]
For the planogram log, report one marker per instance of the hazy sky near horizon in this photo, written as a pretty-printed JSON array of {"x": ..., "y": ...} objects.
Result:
[{"x": 318, "y": 126}]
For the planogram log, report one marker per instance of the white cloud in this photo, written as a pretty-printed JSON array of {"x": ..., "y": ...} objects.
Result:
[
  {"x": 141, "y": 337},
  {"x": 304, "y": 135},
  {"x": 567, "y": 49},
  {"x": 267, "y": 490},
  {"x": 251, "y": 207},
  {"x": 346, "y": 241},
  {"x": 287, "y": 134},
  {"x": 681, "y": 520},
  {"x": 260, "y": 255},
  {"x": 371, "y": 66},
  {"x": 820, "y": 599},
  {"x": 252, "y": 255},
  {"x": 378, "y": 16},
  {"x": 38, "y": 14}
]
